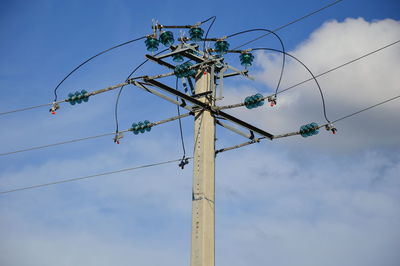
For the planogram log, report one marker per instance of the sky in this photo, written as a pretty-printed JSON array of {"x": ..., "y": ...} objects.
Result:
[{"x": 324, "y": 200}]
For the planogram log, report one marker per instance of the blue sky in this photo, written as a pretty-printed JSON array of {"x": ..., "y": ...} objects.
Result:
[{"x": 326, "y": 200}]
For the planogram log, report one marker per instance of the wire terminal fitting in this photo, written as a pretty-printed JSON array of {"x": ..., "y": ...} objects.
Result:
[
  {"x": 117, "y": 137},
  {"x": 183, "y": 162},
  {"x": 54, "y": 107},
  {"x": 272, "y": 100},
  {"x": 330, "y": 127}
]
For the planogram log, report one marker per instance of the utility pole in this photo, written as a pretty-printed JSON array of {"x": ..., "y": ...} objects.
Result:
[
  {"x": 208, "y": 68},
  {"x": 203, "y": 205}
]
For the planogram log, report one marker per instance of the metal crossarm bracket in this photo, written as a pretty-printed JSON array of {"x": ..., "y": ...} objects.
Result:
[
  {"x": 209, "y": 108},
  {"x": 179, "y": 49},
  {"x": 159, "y": 61}
]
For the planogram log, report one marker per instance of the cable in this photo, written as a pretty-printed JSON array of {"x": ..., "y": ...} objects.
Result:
[
  {"x": 365, "y": 109},
  {"x": 297, "y": 132},
  {"x": 119, "y": 94},
  {"x": 291, "y": 87},
  {"x": 283, "y": 49},
  {"x": 319, "y": 75},
  {"x": 87, "y": 60},
  {"x": 180, "y": 124},
  {"x": 290, "y": 23},
  {"x": 89, "y": 176},
  {"x": 319, "y": 87},
  {"x": 342, "y": 65},
  {"x": 26, "y": 108},
  {"x": 96, "y": 136},
  {"x": 120, "y": 90},
  {"x": 56, "y": 144},
  {"x": 208, "y": 30},
  {"x": 207, "y": 20}
]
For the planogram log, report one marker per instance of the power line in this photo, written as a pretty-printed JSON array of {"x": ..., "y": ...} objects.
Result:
[
  {"x": 316, "y": 76},
  {"x": 297, "y": 132},
  {"x": 283, "y": 49},
  {"x": 208, "y": 30},
  {"x": 365, "y": 109},
  {"x": 222, "y": 107},
  {"x": 313, "y": 77},
  {"x": 120, "y": 90},
  {"x": 340, "y": 66},
  {"x": 93, "y": 137},
  {"x": 290, "y": 23},
  {"x": 180, "y": 124},
  {"x": 87, "y": 60},
  {"x": 25, "y": 108},
  {"x": 90, "y": 176}
]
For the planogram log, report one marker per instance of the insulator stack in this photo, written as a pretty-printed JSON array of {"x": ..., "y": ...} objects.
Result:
[
  {"x": 196, "y": 34},
  {"x": 254, "y": 101},
  {"x": 221, "y": 47},
  {"x": 184, "y": 70},
  {"x": 177, "y": 58},
  {"x": 167, "y": 38},
  {"x": 78, "y": 97},
  {"x": 309, "y": 130},
  {"x": 246, "y": 59},
  {"x": 151, "y": 43},
  {"x": 141, "y": 127}
]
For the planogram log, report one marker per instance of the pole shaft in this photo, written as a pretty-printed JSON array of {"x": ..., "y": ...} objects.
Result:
[{"x": 203, "y": 212}]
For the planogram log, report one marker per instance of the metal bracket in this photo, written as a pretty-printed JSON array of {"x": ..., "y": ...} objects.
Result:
[{"x": 206, "y": 106}]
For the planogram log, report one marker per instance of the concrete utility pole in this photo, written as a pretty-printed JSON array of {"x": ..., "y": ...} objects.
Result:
[{"x": 203, "y": 210}]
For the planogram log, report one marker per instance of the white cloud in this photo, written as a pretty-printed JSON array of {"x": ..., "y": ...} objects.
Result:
[
  {"x": 276, "y": 204},
  {"x": 361, "y": 84}
]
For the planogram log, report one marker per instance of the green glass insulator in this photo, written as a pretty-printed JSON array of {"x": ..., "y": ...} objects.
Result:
[
  {"x": 178, "y": 71},
  {"x": 85, "y": 96},
  {"x": 184, "y": 70},
  {"x": 70, "y": 96},
  {"x": 189, "y": 71},
  {"x": 196, "y": 34},
  {"x": 141, "y": 127},
  {"x": 151, "y": 44},
  {"x": 254, "y": 101},
  {"x": 246, "y": 102},
  {"x": 134, "y": 129},
  {"x": 221, "y": 47},
  {"x": 315, "y": 130},
  {"x": 260, "y": 99},
  {"x": 303, "y": 131},
  {"x": 167, "y": 38},
  {"x": 246, "y": 59},
  {"x": 178, "y": 58},
  {"x": 147, "y": 123},
  {"x": 78, "y": 97}
]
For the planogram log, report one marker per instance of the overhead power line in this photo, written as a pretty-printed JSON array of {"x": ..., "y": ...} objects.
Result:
[
  {"x": 90, "y": 176},
  {"x": 268, "y": 33},
  {"x": 187, "y": 114},
  {"x": 365, "y": 109},
  {"x": 222, "y": 107},
  {"x": 89, "y": 59},
  {"x": 311, "y": 73},
  {"x": 340, "y": 66},
  {"x": 230, "y": 106},
  {"x": 93, "y": 137},
  {"x": 282, "y": 46},
  {"x": 290, "y": 23},
  {"x": 241, "y": 104},
  {"x": 297, "y": 132},
  {"x": 25, "y": 108}
]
